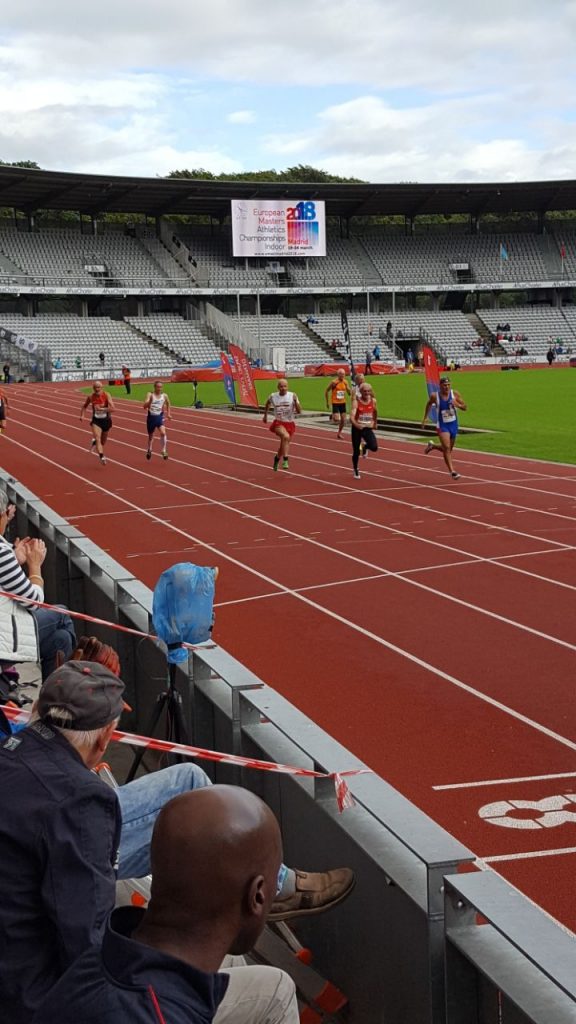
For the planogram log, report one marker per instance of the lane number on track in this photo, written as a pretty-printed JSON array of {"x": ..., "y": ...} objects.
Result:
[{"x": 546, "y": 813}]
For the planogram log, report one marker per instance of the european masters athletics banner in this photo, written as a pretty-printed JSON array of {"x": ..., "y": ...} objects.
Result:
[{"x": 278, "y": 227}]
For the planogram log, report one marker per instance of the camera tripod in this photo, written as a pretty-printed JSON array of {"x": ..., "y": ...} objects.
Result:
[{"x": 176, "y": 732}]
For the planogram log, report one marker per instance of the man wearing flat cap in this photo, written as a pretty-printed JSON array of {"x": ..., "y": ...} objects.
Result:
[{"x": 59, "y": 834}]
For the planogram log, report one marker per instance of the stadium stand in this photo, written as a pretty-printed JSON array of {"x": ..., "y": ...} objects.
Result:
[
  {"x": 64, "y": 254},
  {"x": 184, "y": 337},
  {"x": 542, "y": 325},
  {"x": 448, "y": 332},
  {"x": 72, "y": 337},
  {"x": 426, "y": 259},
  {"x": 276, "y": 330}
]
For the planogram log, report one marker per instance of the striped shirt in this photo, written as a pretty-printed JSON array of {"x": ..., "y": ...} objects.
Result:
[{"x": 13, "y": 579}]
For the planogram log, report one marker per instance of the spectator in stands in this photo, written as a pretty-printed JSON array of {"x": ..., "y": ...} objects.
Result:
[
  {"x": 101, "y": 358},
  {"x": 299, "y": 892},
  {"x": 559, "y": 347},
  {"x": 381, "y": 334},
  {"x": 78, "y": 362},
  {"x": 163, "y": 963},
  {"x": 389, "y": 328},
  {"x": 310, "y": 319},
  {"x": 58, "y": 364},
  {"x": 334, "y": 345},
  {"x": 377, "y": 352},
  {"x": 399, "y": 335},
  {"x": 368, "y": 368},
  {"x": 64, "y": 823},
  {"x": 551, "y": 355},
  {"x": 6, "y": 372},
  {"x": 409, "y": 357},
  {"x": 55, "y": 630}
]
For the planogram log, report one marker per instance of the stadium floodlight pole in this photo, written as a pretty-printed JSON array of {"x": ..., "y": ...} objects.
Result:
[{"x": 367, "y": 310}]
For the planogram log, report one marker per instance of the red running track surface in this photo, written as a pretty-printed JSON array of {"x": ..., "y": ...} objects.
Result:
[{"x": 427, "y": 624}]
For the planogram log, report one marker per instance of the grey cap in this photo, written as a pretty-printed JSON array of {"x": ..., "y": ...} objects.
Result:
[{"x": 89, "y": 692}]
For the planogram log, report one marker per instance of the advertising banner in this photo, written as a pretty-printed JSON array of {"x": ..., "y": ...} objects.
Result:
[
  {"x": 278, "y": 227},
  {"x": 243, "y": 375},
  {"x": 227, "y": 377},
  {"x": 432, "y": 378},
  {"x": 18, "y": 340}
]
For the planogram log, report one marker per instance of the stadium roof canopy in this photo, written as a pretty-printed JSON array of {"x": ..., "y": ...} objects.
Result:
[{"x": 29, "y": 190}]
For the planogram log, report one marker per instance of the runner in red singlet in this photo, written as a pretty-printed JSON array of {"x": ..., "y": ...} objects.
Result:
[
  {"x": 101, "y": 405},
  {"x": 363, "y": 418}
]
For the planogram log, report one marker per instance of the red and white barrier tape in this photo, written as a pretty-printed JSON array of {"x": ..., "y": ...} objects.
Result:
[
  {"x": 344, "y": 797},
  {"x": 101, "y": 622}
]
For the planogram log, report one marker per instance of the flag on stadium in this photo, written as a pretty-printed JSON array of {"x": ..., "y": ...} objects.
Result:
[
  {"x": 563, "y": 251},
  {"x": 432, "y": 375},
  {"x": 503, "y": 251},
  {"x": 347, "y": 345},
  {"x": 243, "y": 375},
  {"x": 227, "y": 377}
]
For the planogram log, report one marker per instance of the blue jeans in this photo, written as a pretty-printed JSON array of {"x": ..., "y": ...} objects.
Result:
[
  {"x": 55, "y": 633},
  {"x": 140, "y": 804}
]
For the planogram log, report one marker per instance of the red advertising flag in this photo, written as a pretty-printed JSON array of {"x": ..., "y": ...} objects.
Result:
[
  {"x": 243, "y": 374},
  {"x": 563, "y": 251}
]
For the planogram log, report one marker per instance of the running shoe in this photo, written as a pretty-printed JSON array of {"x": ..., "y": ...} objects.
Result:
[
  {"x": 148, "y": 454},
  {"x": 429, "y": 447},
  {"x": 164, "y": 455},
  {"x": 285, "y": 464},
  {"x": 102, "y": 460},
  {"x": 276, "y": 461},
  {"x": 455, "y": 476},
  {"x": 356, "y": 474}
]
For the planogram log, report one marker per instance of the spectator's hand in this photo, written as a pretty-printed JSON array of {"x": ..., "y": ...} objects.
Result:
[
  {"x": 10, "y": 513},
  {"x": 21, "y": 549},
  {"x": 35, "y": 554}
]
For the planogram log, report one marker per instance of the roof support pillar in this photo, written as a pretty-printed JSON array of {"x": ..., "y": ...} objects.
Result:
[
  {"x": 541, "y": 219},
  {"x": 94, "y": 224},
  {"x": 409, "y": 224},
  {"x": 30, "y": 220},
  {"x": 474, "y": 224}
]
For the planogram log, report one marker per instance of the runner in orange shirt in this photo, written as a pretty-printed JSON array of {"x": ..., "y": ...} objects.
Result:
[
  {"x": 336, "y": 394},
  {"x": 101, "y": 422}
]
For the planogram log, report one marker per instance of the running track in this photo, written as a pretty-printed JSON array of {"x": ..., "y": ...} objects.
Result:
[{"x": 427, "y": 624}]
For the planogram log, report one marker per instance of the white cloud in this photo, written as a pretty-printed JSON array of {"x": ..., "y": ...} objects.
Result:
[
  {"x": 242, "y": 117},
  {"x": 422, "y": 91}
]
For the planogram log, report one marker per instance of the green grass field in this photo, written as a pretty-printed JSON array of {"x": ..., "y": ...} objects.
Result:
[{"x": 532, "y": 412}]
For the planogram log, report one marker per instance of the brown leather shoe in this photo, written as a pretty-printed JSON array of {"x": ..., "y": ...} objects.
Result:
[{"x": 315, "y": 892}]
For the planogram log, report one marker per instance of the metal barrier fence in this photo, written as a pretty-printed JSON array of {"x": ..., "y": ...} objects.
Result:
[{"x": 407, "y": 947}]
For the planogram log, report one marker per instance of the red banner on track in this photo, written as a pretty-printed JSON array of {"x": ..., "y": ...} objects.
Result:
[
  {"x": 432, "y": 378},
  {"x": 243, "y": 375}
]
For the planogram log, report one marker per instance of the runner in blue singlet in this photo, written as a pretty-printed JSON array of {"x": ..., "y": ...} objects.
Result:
[{"x": 447, "y": 402}]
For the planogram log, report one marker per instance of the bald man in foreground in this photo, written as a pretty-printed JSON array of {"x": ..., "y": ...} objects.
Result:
[{"x": 215, "y": 856}]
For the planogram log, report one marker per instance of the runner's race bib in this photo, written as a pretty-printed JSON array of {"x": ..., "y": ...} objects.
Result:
[
  {"x": 449, "y": 414},
  {"x": 340, "y": 396},
  {"x": 101, "y": 412}
]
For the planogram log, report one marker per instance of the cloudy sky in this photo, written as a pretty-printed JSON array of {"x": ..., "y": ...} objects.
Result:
[{"x": 380, "y": 89}]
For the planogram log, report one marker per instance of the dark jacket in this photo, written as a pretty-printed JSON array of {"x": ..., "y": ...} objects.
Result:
[
  {"x": 126, "y": 982},
  {"x": 59, "y": 837}
]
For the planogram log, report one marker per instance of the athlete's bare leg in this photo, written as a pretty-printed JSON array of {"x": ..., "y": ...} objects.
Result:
[
  {"x": 283, "y": 447},
  {"x": 98, "y": 438},
  {"x": 447, "y": 441}
]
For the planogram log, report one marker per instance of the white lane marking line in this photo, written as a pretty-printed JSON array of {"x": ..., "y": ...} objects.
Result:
[
  {"x": 330, "y": 451},
  {"x": 516, "y": 569},
  {"x": 356, "y": 627},
  {"x": 527, "y": 855},
  {"x": 480, "y": 783}
]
